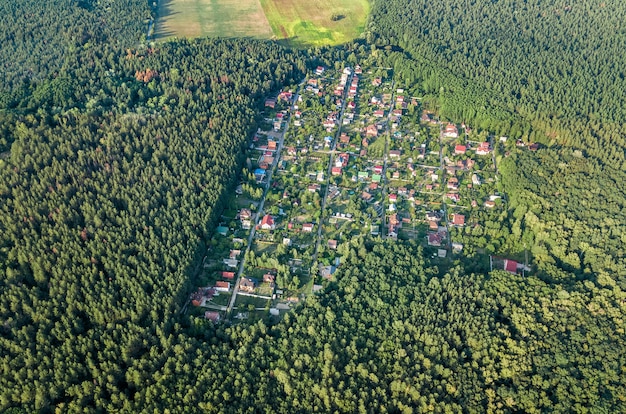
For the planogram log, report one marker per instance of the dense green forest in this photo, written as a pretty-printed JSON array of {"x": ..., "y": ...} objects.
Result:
[
  {"x": 556, "y": 67},
  {"x": 114, "y": 162},
  {"x": 110, "y": 190},
  {"x": 37, "y": 36}
]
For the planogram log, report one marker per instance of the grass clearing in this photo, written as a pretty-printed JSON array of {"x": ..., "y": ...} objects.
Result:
[
  {"x": 214, "y": 18},
  {"x": 311, "y": 23},
  {"x": 299, "y": 23}
]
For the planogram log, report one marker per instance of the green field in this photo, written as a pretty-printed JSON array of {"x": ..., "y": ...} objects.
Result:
[
  {"x": 298, "y": 22},
  {"x": 310, "y": 22},
  {"x": 213, "y": 18}
]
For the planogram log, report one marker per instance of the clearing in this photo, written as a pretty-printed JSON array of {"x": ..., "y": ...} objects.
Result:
[
  {"x": 299, "y": 23},
  {"x": 214, "y": 18},
  {"x": 316, "y": 22}
]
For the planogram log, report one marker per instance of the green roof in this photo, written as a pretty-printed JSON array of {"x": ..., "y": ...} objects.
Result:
[{"x": 376, "y": 178}]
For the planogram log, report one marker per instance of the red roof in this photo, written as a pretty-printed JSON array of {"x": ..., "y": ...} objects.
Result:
[
  {"x": 221, "y": 284},
  {"x": 336, "y": 171},
  {"x": 458, "y": 219},
  {"x": 228, "y": 275},
  {"x": 510, "y": 266},
  {"x": 267, "y": 220},
  {"x": 213, "y": 316},
  {"x": 434, "y": 239},
  {"x": 460, "y": 149}
]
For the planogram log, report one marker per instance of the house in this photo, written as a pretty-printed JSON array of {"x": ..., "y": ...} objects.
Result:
[
  {"x": 352, "y": 105},
  {"x": 314, "y": 188},
  {"x": 393, "y": 220},
  {"x": 285, "y": 96},
  {"x": 234, "y": 254},
  {"x": 344, "y": 138},
  {"x": 458, "y": 220},
  {"x": 377, "y": 82},
  {"x": 510, "y": 266},
  {"x": 245, "y": 214},
  {"x": 457, "y": 247},
  {"x": 228, "y": 275},
  {"x": 432, "y": 225},
  {"x": 490, "y": 204},
  {"x": 395, "y": 175},
  {"x": 221, "y": 286},
  {"x": 247, "y": 284},
  {"x": 454, "y": 197},
  {"x": 378, "y": 169},
  {"x": 460, "y": 149},
  {"x": 379, "y": 113},
  {"x": 476, "y": 179},
  {"x": 269, "y": 278},
  {"x": 222, "y": 230},
  {"x": 329, "y": 124},
  {"x": 395, "y": 153},
  {"x": 307, "y": 227},
  {"x": 483, "y": 149},
  {"x": 393, "y": 198},
  {"x": 267, "y": 223},
  {"x": 332, "y": 244},
  {"x": 451, "y": 131},
  {"x": 435, "y": 239},
  {"x": 287, "y": 241},
  {"x": 319, "y": 70},
  {"x": 270, "y": 103},
  {"x": 335, "y": 171},
  {"x": 343, "y": 158},
  {"x": 453, "y": 183},
  {"x": 271, "y": 145},
  {"x": 376, "y": 178},
  {"x": 212, "y": 316},
  {"x": 425, "y": 117},
  {"x": 371, "y": 131}
]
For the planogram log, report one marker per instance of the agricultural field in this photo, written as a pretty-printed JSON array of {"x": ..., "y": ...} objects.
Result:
[
  {"x": 297, "y": 22},
  {"x": 223, "y": 18},
  {"x": 316, "y": 22}
]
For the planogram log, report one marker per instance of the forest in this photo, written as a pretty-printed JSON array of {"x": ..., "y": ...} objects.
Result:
[
  {"x": 37, "y": 37},
  {"x": 115, "y": 158},
  {"x": 556, "y": 68},
  {"x": 110, "y": 191}
]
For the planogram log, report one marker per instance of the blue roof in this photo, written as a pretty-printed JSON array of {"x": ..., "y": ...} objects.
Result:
[{"x": 259, "y": 171}]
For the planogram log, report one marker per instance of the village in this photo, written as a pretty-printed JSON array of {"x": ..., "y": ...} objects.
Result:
[{"x": 347, "y": 154}]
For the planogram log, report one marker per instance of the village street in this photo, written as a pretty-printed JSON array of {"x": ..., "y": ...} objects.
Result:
[
  {"x": 328, "y": 172},
  {"x": 259, "y": 213}
]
